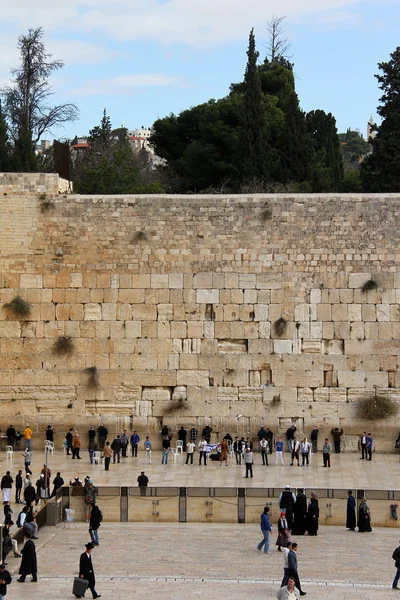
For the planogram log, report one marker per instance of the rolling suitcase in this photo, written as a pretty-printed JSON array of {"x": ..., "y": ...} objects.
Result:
[{"x": 80, "y": 586}]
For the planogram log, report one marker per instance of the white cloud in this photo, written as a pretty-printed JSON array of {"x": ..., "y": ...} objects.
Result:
[
  {"x": 126, "y": 84},
  {"x": 191, "y": 22},
  {"x": 79, "y": 52}
]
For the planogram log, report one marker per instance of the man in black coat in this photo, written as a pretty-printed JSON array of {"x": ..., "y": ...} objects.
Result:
[
  {"x": 58, "y": 482},
  {"x": 143, "y": 481},
  {"x": 69, "y": 437},
  {"x": 5, "y": 580},
  {"x": 11, "y": 433},
  {"x": 29, "y": 494},
  {"x": 116, "y": 448},
  {"x": 28, "y": 562},
  {"x": 86, "y": 569},
  {"x": 102, "y": 432}
]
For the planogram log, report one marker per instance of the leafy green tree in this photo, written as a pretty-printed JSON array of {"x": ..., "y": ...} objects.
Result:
[
  {"x": 109, "y": 165},
  {"x": 327, "y": 163},
  {"x": 354, "y": 148},
  {"x": 380, "y": 171},
  {"x": 254, "y": 150},
  {"x": 352, "y": 181},
  {"x": 26, "y": 106}
]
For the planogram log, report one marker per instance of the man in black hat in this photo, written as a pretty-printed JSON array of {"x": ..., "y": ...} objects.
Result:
[
  {"x": 86, "y": 569},
  {"x": 5, "y": 580},
  {"x": 28, "y": 562}
]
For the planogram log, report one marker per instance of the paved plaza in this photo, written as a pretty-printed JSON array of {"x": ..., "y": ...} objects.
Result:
[
  {"x": 217, "y": 562},
  {"x": 347, "y": 472}
]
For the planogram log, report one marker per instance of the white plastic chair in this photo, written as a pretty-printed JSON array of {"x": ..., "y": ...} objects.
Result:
[
  {"x": 179, "y": 446},
  {"x": 230, "y": 449},
  {"x": 9, "y": 452},
  {"x": 49, "y": 446},
  {"x": 96, "y": 457},
  {"x": 175, "y": 455}
]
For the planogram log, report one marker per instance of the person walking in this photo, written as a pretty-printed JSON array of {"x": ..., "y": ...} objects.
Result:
[
  {"x": 283, "y": 538},
  {"x": 296, "y": 447},
  {"x": 6, "y": 486},
  {"x": 76, "y": 446},
  {"x": 166, "y": 447},
  {"x": 5, "y": 580},
  {"x": 285, "y": 553},
  {"x": 107, "y": 456},
  {"x": 58, "y": 482},
  {"x": 326, "y": 453},
  {"x": 337, "y": 436},
  {"x": 364, "y": 517},
  {"x": 266, "y": 529},
  {"x": 369, "y": 447},
  {"x": 189, "y": 452},
  {"x": 396, "y": 558},
  {"x": 314, "y": 439},
  {"x": 147, "y": 450},
  {"x": 305, "y": 452},
  {"x": 351, "y": 511},
  {"x": 279, "y": 451},
  {"x": 27, "y": 460},
  {"x": 116, "y": 448},
  {"x": 95, "y": 520},
  {"x": 248, "y": 461},
  {"x": 18, "y": 486},
  {"x": 135, "y": 439},
  {"x": 203, "y": 451},
  {"x": 86, "y": 570},
  {"x": 224, "y": 452},
  {"x": 289, "y": 591},
  {"x": 69, "y": 436},
  {"x": 143, "y": 482},
  {"x": 29, "y": 494},
  {"x": 46, "y": 472},
  {"x": 293, "y": 569},
  {"x": 363, "y": 444},
  {"x": 29, "y": 560},
  {"x": 264, "y": 451},
  {"x": 28, "y": 437},
  {"x": 237, "y": 448}
]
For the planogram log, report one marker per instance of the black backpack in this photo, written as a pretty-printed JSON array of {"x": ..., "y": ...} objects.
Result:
[{"x": 19, "y": 519}]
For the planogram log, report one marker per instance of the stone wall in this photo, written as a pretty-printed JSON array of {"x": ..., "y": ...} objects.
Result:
[{"x": 175, "y": 300}]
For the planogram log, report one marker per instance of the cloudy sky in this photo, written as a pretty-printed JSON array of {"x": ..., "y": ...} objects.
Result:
[{"x": 143, "y": 59}]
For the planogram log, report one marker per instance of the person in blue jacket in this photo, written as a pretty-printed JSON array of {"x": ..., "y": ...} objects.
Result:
[{"x": 266, "y": 531}]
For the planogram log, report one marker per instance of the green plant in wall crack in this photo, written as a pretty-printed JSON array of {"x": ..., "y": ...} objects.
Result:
[
  {"x": 376, "y": 408},
  {"x": 70, "y": 405},
  {"x": 280, "y": 327},
  {"x": 93, "y": 379},
  {"x": 140, "y": 236},
  {"x": 18, "y": 307},
  {"x": 63, "y": 346},
  {"x": 369, "y": 285}
]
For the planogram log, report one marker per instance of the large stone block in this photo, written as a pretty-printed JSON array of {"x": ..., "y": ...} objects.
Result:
[
  {"x": 352, "y": 379},
  {"x": 357, "y": 280},
  {"x": 206, "y": 296}
]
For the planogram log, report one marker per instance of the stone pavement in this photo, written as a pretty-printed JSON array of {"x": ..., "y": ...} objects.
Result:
[
  {"x": 216, "y": 562},
  {"x": 347, "y": 472}
]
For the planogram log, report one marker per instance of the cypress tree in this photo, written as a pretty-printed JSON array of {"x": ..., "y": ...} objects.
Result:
[
  {"x": 254, "y": 133},
  {"x": 380, "y": 171},
  {"x": 5, "y": 162}
]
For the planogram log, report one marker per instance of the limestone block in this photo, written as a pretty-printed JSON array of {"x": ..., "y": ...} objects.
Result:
[
  {"x": 260, "y": 312},
  {"x": 179, "y": 393},
  {"x": 76, "y": 312},
  {"x": 288, "y": 394},
  {"x": 383, "y": 312},
  {"x": 10, "y": 329},
  {"x": 311, "y": 346},
  {"x": 30, "y": 281},
  {"x": 277, "y": 296},
  {"x": 316, "y": 330},
  {"x": 321, "y": 394},
  {"x": 341, "y": 330},
  {"x": 305, "y": 395},
  {"x": 188, "y": 362},
  {"x": 395, "y": 311},
  {"x": 175, "y": 281},
  {"x": 264, "y": 296},
  {"x": 47, "y": 312},
  {"x": 315, "y": 296},
  {"x": 337, "y": 395},
  {"x": 195, "y": 329},
  {"x": 203, "y": 280},
  {"x": 339, "y": 312},
  {"x": 354, "y": 312},
  {"x": 333, "y": 347},
  {"x": 109, "y": 311},
  {"x": 262, "y": 346},
  {"x": 283, "y": 346},
  {"x": 225, "y": 296},
  {"x": 377, "y": 378},
  {"x": 357, "y": 280},
  {"x": 232, "y": 280},
  {"x": 209, "y": 330},
  {"x": 254, "y": 378},
  {"x": 63, "y": 312},
  {"x": 207, "y": 296},
  {"x": 308, "y": 378},
  {"x": 75, "y": 280},
  {"x": 267, "y": 281},
  {"x": 144, "y": 312},
  {"x": 250, "y": 394},
  {"x": 237, "y": 297},
  {"x": 163, "y": 330},
  {"x": 301, "y": 312},
  {"x": 192, "y": 378},
  {"x": 227, "y": 395},
  {"x": 82, "y": 295},
  {"x": 246, "y": 312},
  {"x": 96, "y": 295},
  {"x": 264, "y": 329},
  {"x": 236, "y": 378},
  {"x": 385, "y": 331},
  {"x": 151, "y": 394},
  {"x": 250, "y": 296},
  {"x": 324, "y": 312},
  {"x": 346, "y": 296},
  {"x": 221, "y": 330},
  {"x": 92, "y": 311},
  {"x": 237, "y": 330},
  {"x": 334, "y": 296},
  {"x": 131, "y": 296},
  {"x": 231, "y": 312},
  {"x": 359, "y": 394},
  {"x": 165, "y": 312},
  {"x": 328, "y": 331},
  {"x": 247, "y": 280},
  {"x": 178, "y": 329},
  {"x": 159, "y": 281},
  {"x": 351, "y": 379},
  {"x": 275, "y": 312},
  {"x": 371, "y": 331}
]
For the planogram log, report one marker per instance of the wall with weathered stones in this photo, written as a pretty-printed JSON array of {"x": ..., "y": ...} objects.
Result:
[{"x": 174, "y": 300}]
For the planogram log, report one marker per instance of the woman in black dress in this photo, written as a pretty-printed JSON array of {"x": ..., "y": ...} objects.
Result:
[
  {"x": 313, "y": 515},
  {"x": 364, "y": 517}
]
